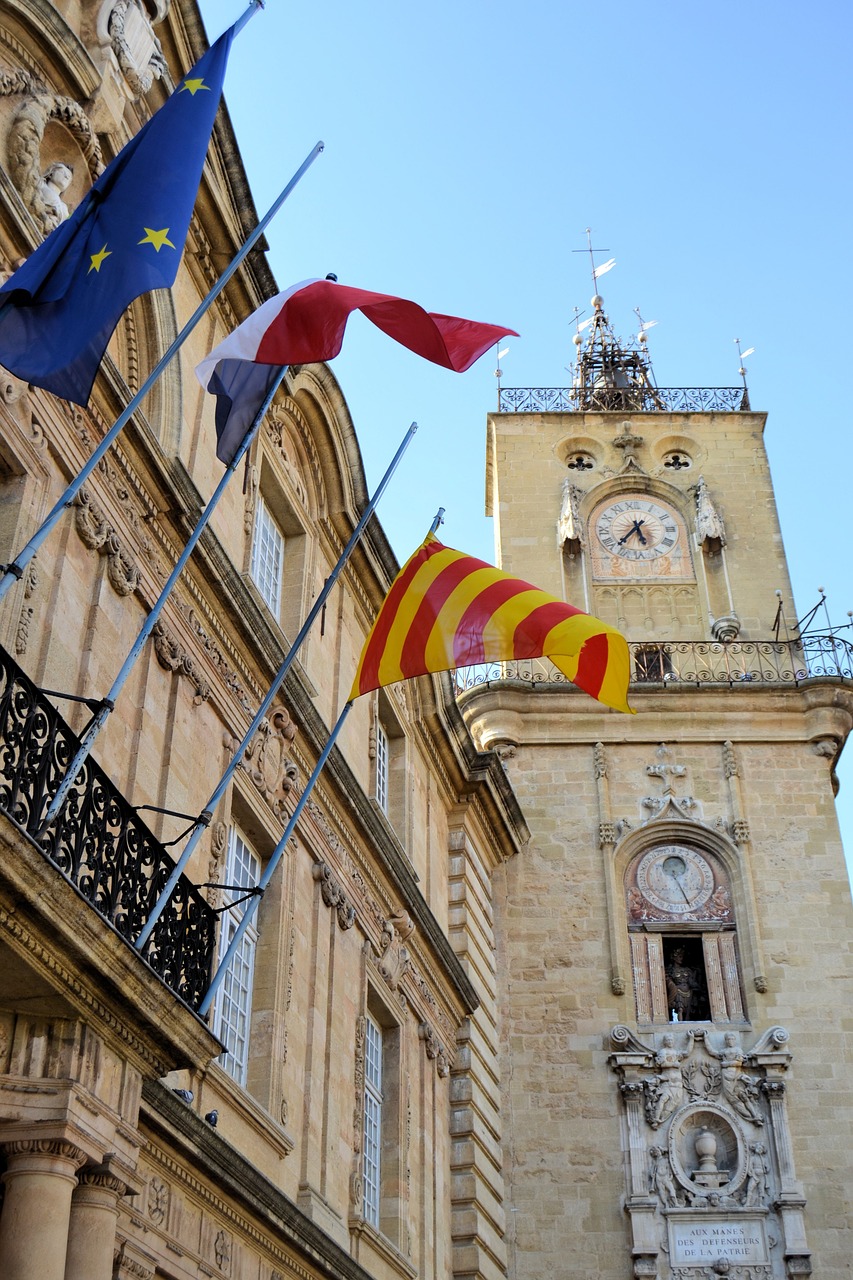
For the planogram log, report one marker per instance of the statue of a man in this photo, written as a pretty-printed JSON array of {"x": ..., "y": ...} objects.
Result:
[
  {"x": 682, "y": 983},
  {"x": 757, "y": 1170},
  {"x": 668, "y": 1090},
  {"x": 661, "y": 1180},
  {"x": 739, "y": 1088}
]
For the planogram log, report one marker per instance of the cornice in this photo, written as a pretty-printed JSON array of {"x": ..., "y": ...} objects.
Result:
[{"x": 240, "y": 1182}]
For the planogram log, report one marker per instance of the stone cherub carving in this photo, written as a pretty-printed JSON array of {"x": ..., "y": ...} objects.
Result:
[
  {"x": 757, "y": 1171},
  {"x": 739, "y": 1088},
  {"x": 665, "y": 1092},
  {"x": 661, "y": 1180}
]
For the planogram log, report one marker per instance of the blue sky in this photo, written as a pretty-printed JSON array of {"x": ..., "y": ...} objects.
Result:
[{"x": 468, "y": 146}]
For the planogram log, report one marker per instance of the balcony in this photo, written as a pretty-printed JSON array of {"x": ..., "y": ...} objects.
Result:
[
  {"x": 683, "y": 664},
  {"x": 98, "y": 841},
  {"x": 642, "y": 398}
]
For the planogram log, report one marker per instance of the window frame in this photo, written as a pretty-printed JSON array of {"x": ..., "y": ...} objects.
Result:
[
  {"x": 233, "y": 1009},
  {"x": 269, "y": 580}
]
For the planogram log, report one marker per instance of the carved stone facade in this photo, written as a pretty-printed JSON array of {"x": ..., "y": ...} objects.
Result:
[{"x": 710, "y": 1185}]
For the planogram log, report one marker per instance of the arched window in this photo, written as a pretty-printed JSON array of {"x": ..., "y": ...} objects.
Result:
[{"x": 683, "y": 937}]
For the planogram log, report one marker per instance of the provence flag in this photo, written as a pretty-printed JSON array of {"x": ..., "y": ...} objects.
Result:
[
  {"x": 58, "y": 311},
  {"x": 447, "y": 610}
]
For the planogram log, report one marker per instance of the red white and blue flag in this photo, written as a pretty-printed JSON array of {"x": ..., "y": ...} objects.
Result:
[{"x": 306, "y": 324}]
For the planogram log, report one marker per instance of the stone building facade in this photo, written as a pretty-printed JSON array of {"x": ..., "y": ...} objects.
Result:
[
  {"x": 342, "y": 1131},
  {"x": 447, "y": 1048},
  {"x": 674, "y": 942}
]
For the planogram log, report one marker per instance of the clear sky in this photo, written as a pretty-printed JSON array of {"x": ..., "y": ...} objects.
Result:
[{"x": 469, "y": 145}]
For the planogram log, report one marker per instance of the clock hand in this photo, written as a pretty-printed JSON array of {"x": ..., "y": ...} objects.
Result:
[
  {"x": 677, "y": 880},
  {"x": 635, "y": 528}
]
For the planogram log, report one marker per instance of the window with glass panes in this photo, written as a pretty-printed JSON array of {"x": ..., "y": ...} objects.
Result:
[
  {"x": 381, "y": 767},
  {"x": 267, "y": 563},
  {"x": 234, "y": 1006},
  {"x": 372, "y": 1120}
]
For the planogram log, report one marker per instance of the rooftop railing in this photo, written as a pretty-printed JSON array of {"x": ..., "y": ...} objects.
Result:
[
  {"x": 679, "y": 664},
  {"x": 98, "y": 840},
  {"x": 638, "y": 398}
]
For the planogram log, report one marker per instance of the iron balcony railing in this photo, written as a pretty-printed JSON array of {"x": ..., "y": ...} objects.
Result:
[
  {"x": 678, "y": 664},
  {"x": 98, "y": 840},
  {"x": 639, "y": 398}
]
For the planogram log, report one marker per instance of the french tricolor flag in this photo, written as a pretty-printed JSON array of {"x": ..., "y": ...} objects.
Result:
[{"x": 305, "y": 324}]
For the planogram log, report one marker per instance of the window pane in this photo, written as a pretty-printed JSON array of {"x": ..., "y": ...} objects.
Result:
[
  {"x": 381, "y": 767},
  {"x": 235, "y": 1000},
  {"x": 267, "y": 557},
  {"x": 372, "y": 1120}
]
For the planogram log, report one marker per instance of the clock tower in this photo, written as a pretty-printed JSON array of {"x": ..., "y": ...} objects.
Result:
[{"x": 673, "y": 945}]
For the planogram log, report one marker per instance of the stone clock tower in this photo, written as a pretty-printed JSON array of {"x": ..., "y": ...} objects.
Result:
[{"x": 673, "y": 945}]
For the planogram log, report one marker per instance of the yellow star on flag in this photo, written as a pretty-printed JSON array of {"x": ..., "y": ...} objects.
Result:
[
  {"x": 157, "y": 238},
  {"x": 97, "y": 259},
  {"x": 194, "y": 86}
]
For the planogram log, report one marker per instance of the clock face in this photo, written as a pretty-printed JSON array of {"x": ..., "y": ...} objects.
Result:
[
  {"x": 675, "y": 878},
  {"x": 635, "y": 528}
]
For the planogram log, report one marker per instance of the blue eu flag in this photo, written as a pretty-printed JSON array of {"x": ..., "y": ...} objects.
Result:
[{"x": 58, "y": 311}]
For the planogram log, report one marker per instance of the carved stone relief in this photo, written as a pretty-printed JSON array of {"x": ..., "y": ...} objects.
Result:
[
  {"x": 172, "y": 655},
  {"x": 41, "y": 185},
  {"x": 569, "y": 524},
  {"x": 395, "y": 961},
  {"x": 356, "y": 1183},
  {"x": 22, "y": 634},
  {"x": 97, "y": 534},
  {"x": 137, "y": 49},
  {"x": 333, "y": 894},
  {"x": 708, "y": 1154},
  {"x": 710, "y": 530},
  {"x": 435, "y": 1050},
  {"x": 267, "y": 762}
]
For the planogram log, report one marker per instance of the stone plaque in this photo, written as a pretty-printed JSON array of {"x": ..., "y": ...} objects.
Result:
[{"x": 696, "y": 1241}]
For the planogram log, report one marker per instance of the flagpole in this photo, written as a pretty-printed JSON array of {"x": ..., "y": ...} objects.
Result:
[
  {"x": 15, "y": 569},
  {"x": 107, "y": 705},
  {"x": 275, "y": 857},
  {"x": 206, "y": 814}
]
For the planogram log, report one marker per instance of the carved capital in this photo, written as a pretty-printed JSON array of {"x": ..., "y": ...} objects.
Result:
[{"x": 172, "y": 656}]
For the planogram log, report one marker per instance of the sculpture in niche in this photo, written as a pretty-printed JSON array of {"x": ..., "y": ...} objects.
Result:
[
  {"x": 41, "y": 187},
  {"x": 55, "y": 181},
  {"x": 661, "y": 1180},
  {"x": 739, "y": 1088},
  {"x": 682, "y": 984},
  {"x": 666, "y": 1091}
]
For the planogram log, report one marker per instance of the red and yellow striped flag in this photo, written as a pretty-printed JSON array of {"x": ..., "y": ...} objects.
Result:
[{"x": 447, "y": 610}]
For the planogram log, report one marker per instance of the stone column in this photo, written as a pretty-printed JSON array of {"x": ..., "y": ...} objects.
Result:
[
  {"x": 39, "y": 1180},
  {"x": 92, "y": 1233}
]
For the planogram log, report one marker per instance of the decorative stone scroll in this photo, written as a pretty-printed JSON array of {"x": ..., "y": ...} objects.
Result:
[{"x": 333, "y": 894}]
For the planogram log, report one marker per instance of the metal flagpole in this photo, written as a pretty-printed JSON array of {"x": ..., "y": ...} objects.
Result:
[
  {"x": 275, "y": 857},
  {"x": 87, "y": 741},
  {"x": 205, "y": 816},
  {"x": 15, "y": 569}
]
